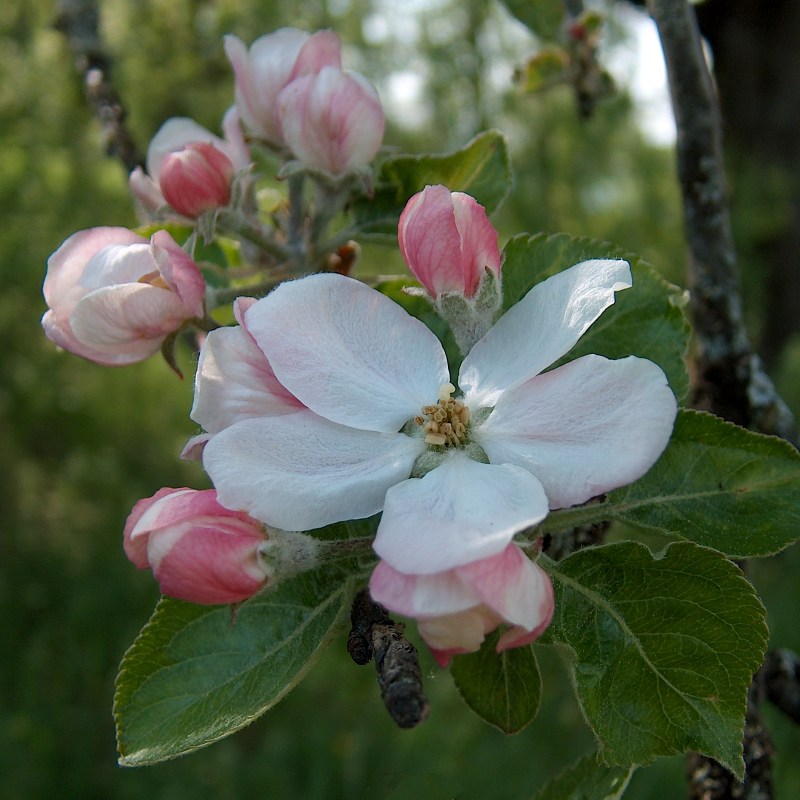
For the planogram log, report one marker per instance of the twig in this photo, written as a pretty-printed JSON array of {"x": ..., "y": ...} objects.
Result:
[
  {"x": 78, "y": 21},
  {"x": 375, "y": 633},
  {"x": 781, "y": 674},
  {"x": 730, "y": 380}
]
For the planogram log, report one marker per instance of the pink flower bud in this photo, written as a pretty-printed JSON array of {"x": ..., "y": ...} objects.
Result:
[
  {"x": 189, "y": 167},
  {"x": 456, "y": 609},
  {"x": 447, "y": 241},
  {"x": 198, "y": 550},
  {"x": 196, "y": 179},
  {"x": 332, "y": 121},
  {"x": 271, "y": 63},
  {"x": 114, "y": 296}
]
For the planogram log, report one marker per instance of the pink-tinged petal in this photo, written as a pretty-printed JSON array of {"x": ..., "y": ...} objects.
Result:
[
  {"x": 174, "y": 135},
  {"x": 146, "y": 190},
  {"x": 322, "y": 49},
  {"x": 585, "y": 428},
  {"x": 420, "y": 595},
  {"x": 299, "y": 471},
  {"x": 261, "y": 72},
  {"x": 348, "y": 352},
  {"x": 234, "y": 136},
  {"x": 234, "y": 381},
  {"x": 332, "y": 120},
  {"x": 62, "y": 288},
  {"x": 206, "y": 564},
  {"x": 136, "y": 548},
  {"x": 117, "y": 264},
  {"x": 175, "y": 506},
  {"x": 478, "y": 240},
  {"x": 127, "y": 320},
  {"x": 454, "y": 634},
  {"x": 513, "y": 586},
  {"x": 193, "y": 449},
  {"x": 541, "y": 328},
  {"x": 459, "y": 512},
  {"x": 179, "y": 272}
]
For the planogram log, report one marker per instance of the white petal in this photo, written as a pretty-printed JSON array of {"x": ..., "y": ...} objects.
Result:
[
  {"x": 584, "y": 428},
  {"x": 540, "y": 329},
  {"x": 299, "y": 471},
  {"x": 459, "y": 512},
  {"x": 348, "y": 352},
  {"x": 234, "y": 382}
]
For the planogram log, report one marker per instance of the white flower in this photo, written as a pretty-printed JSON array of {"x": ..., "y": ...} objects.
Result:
[{"x": 375, "y": 385}]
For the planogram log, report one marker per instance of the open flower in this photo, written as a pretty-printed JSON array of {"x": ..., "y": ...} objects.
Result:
[
  {"x": 457, "y": 608},
  {"x": 198, "y": 550},
  {"x": 456, "y": 478},
  {"x": 272, "y": 62},
  {"x": 114, "y": 296}
]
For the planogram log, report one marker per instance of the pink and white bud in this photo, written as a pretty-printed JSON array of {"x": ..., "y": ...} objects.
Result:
[
  {"x": 456, "y": 609},
  {"x": 190, "y": 168},
  {"x": 196, "y": 179},
  {"x": 332, "y": 121},
  {"x": 198, "y": 550},
  {"x": 447, "y": 241},
  {"x": 272, "y": 62},
  {"x": 114, "y": 296}
]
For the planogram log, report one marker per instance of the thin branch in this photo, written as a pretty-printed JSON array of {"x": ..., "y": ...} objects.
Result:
[
  {"x": 78, "y": 21},
  {"x": 730, "y": 380}
]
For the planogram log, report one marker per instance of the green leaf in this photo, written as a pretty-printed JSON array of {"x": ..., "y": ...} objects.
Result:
[
  {"x": 587, "y": 779},
  {"x": 480, "y": 169},
  {"x": 548, "y": 67},
  {"x": 662, "y": 649},
  {"x": 543, "y": 17},
  {"x": 505, "y": 689},
  {"x": 646, "y": 320},
  {"x": 721, "y": 486},
  {"x": 195, "y": 674}
]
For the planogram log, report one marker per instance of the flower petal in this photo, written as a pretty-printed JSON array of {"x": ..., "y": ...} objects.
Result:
[
  {"x": 459, "y": 512},
  {"x": 348, "y": 352},
  {"x": 420, "y": 595},
  {"x": 299, "y": 471},
  {"x": 540, "y": 329},
  {"x": 585, "y": 428},
  {"x": 234, "y": 381},
  {"x": 513, "y": 586}
]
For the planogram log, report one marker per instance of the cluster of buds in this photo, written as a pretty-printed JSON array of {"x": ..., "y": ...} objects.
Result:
[{"x": 116, "y": 297}]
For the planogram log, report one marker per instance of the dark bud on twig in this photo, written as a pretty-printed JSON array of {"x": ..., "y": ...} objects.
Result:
[{"x": 375, "y": 634}]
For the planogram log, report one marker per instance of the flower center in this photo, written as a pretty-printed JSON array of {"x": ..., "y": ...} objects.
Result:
[{"x": 445, "y": 423}]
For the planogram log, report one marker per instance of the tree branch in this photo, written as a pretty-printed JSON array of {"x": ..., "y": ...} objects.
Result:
[
  {"x": 78, "y": 21},
  {"x": 730, "y": 380}
]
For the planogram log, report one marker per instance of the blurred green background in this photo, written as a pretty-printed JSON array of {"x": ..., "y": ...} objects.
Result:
[{"x": 80, "y": 443}]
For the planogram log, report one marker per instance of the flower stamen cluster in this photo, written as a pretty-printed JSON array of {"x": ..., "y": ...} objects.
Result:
[{"x": 445, "y": 423}]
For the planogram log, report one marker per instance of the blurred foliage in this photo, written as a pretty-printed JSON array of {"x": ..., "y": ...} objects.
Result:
[{"x": 80, "y": 443}]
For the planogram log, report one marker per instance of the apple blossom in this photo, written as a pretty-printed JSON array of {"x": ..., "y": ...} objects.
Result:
[
  {"x": 457, "y": 608},
  {"x": 456, "y": 478},
  {"x": 332, "y": 120},
  {"x": 189, "y": 167},
  {"x": 114, "y": 296},
  {"x": 447, "y": 241},
  {"x": 198, "y": 550},
  {"x": 272, "y": 62}
]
